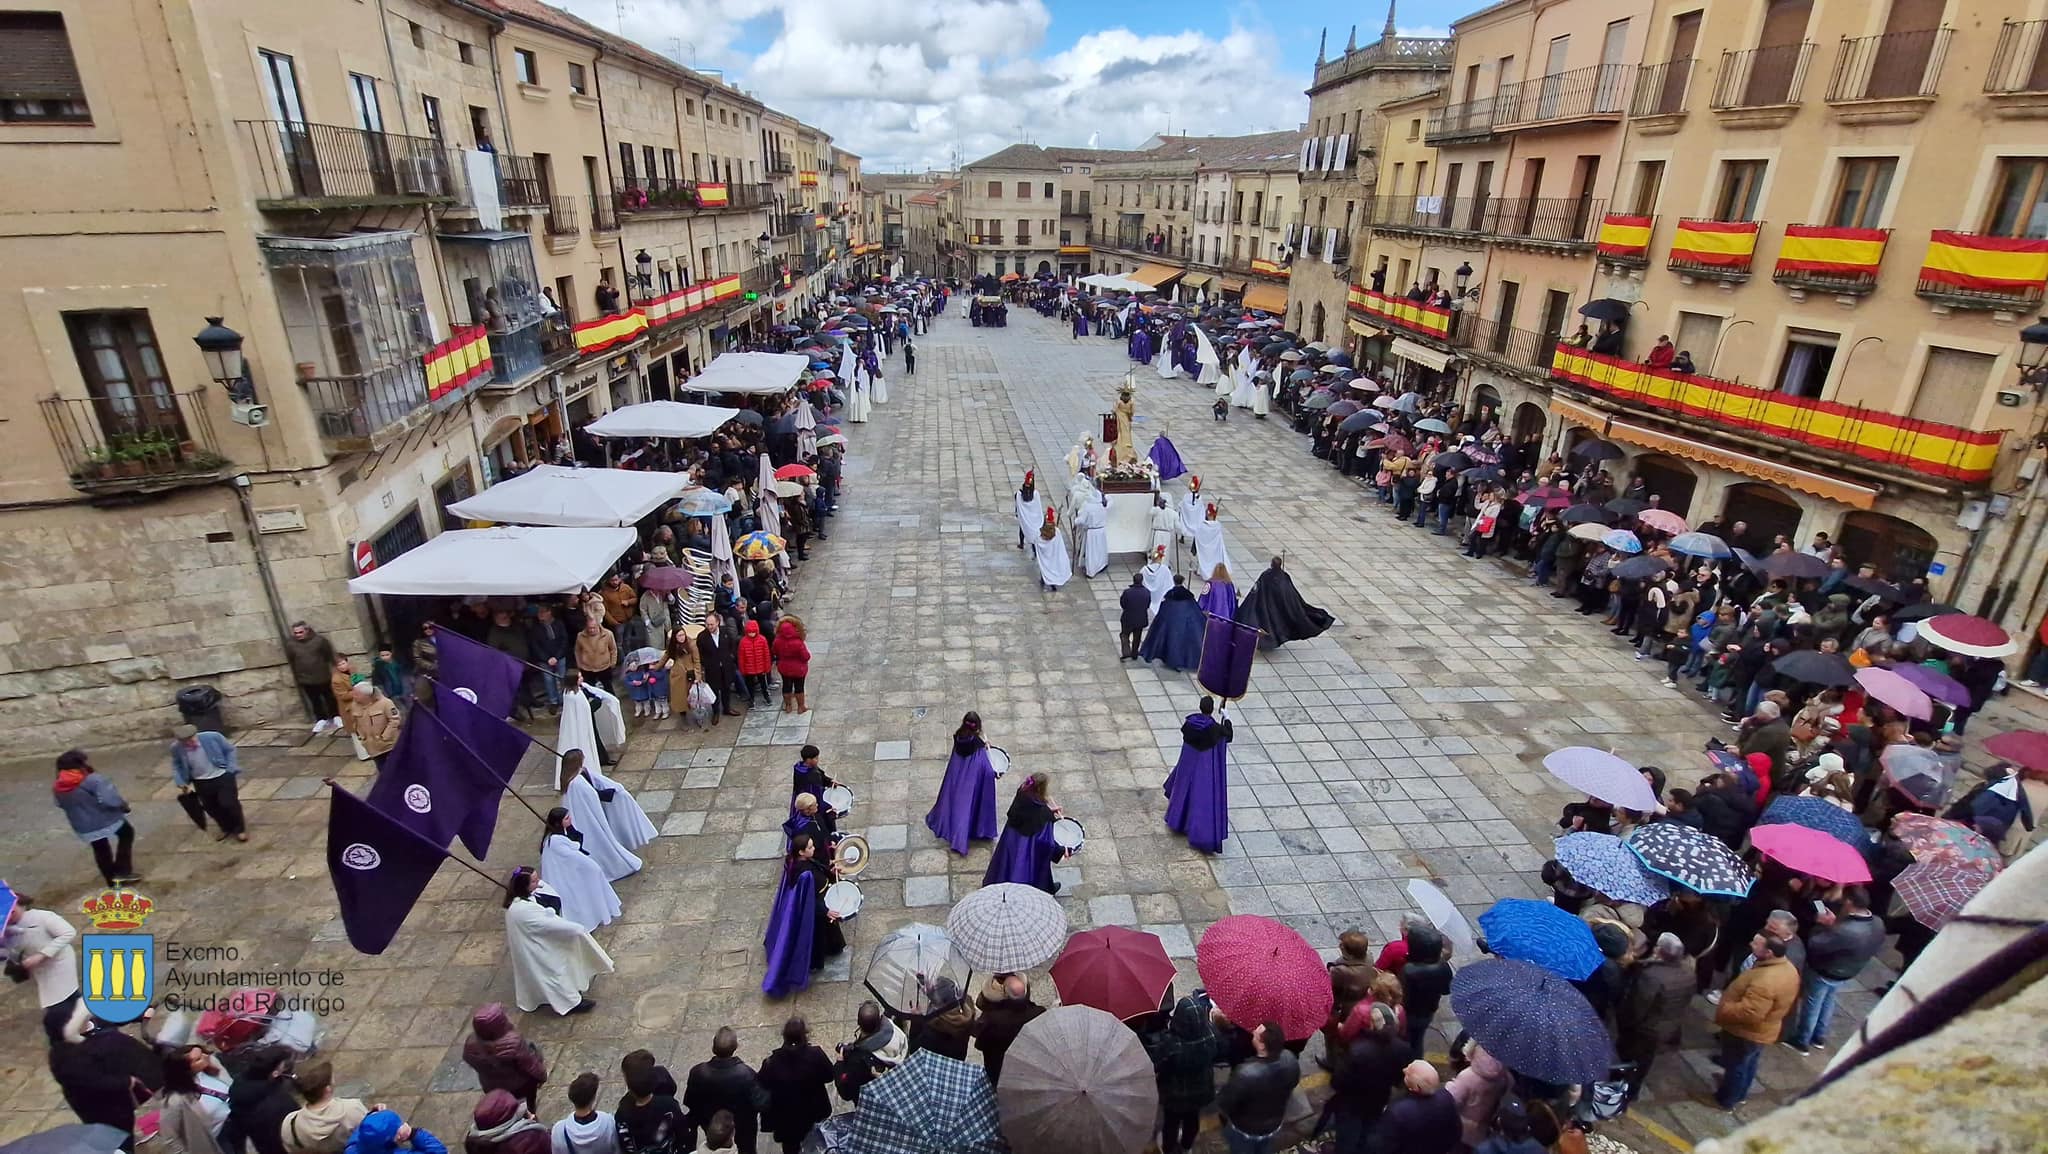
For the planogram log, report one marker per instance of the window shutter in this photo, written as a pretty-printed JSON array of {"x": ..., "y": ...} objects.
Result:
[
  {"x": 35, "y": 58},
  {"x": 1330, "y": 246},
  {"x": 1343, "y": 150},
  {"x": 1303, "y": 159}
]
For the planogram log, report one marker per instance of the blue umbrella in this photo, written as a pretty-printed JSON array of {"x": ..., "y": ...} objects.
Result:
[
  {"x": 1533, "y": 1021},
  {"x": 1539, "y": 932},
  {"x": 703, "y": 503},
  {"x": 1601, "y": 863},
  {"x": 1701, "y": 545},
  {"x": 1340, "y": 359},
  {"x": 7, "y": 904},
  {"x": 1622, "y": 541},
  {"x": 1818, "y": 813}
]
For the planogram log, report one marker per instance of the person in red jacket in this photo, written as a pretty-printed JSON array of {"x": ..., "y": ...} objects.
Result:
[
  {"x": 753, "y": 661},
  {"x": 793, "y": 661}
]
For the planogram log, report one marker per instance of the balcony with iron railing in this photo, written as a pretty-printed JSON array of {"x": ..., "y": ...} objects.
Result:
[
  {"x": 520, "y": 187},
  {"x": 1504, "y": 344},
  {"x": 2017, "y": 80},
  {"x": 362, "y": 411},
  {"x": 1971, "y": 270},
  {"x": 1829, "y": 259},
  {"x": 1762, "y": 85},
  {"x": 138, "y": 443},
  {"x": 560, "y": 217},
  {"x": 518, "y": 355},
  {"x": 1887, "y": 79},
  {"x": 1470, "y": 121},
  {"x": 1725, "y": 260},
  {"x": 297, "y": 166},
  {"x": 781, "y": 162},
  {"x": 1571, "y": 222},
  {"x": 604, "y": 214},
  {"x": 1660, "y": 90},
  {"x": 1595, "y": 94},
  {"x": 782, "y": 224}
]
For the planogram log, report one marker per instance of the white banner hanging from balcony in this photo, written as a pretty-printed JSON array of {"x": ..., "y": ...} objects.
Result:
[
  {"x": 1329, "y": 152},
  {"x": 1343, "y": 152},
  {"x": 1306, "y": 147},
  {"x": 1329, "y": 246},
  {"x": 481, "y": 169}
]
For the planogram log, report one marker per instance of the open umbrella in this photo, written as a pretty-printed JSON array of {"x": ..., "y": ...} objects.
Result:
[
  {"x": 703, "y": 503},
  {"x": 1443, "y": 913},
  {"x": 1601, "y": 863},
  {"x": 1877, "y": 588},
  {"x": 1793, "y": 566},
  {"x": 758, "y": 545},
  {"x": 1701, "y": 545},
  {"x": 1118, "y": 970},
  {"x": 1968, "y": 635},
  {"x": 1432, "y": 425},
  {"x": 1548, "y": 496},
  {"x": 1007, "y": 928},
  {"x": 1811, "y": 852},
  {"x": 794, "y": 472},
  {"x": 748, "y": 417},
  {"x": 665, "y": 579},
  {"x": 1605, "y": 309},
  {"x": 1587, "y": 531},
  {"x": 1622, "y": 541},
  {"x": 1484, "y": 475},
  {"x": 1542, "y": 933},
  {"x": 1260, "y": 970},
  {"x": 1921, "y": 774},
  {"x": 907, "y": 963},
  {"x": 1819, "y": 814},
  {"x": 1625, "y": 506},
  {"x": 1586, "y": 515},
  {"x": 788, "y": 489},
  {"x": 831, "y": 439},
  {"x": 1358, "y": 422},
  {"x": 2028, "y": 750},
  {"x": 1641, "y": 568},
  {"x": 1595, "y": 450},
  {"x": 1933, "y": 892},
  {"x": 1697, "y": 860},
  {"x": 1455, "y": 459},
  {"x": 1662, "y": 520},
  {"x": 1935, "y": 684},
  {"x": 1921, "y": 611},
  {"x": 1344, "y": 408},
  {"x": 1944, "y": 842},
  {"x": 1078, "y": 1081},
  {"x": 1598, "y": 773},
  {"x": 931, "y": 1104},
  {"x": 1535, "y": 1022},
  {"x": 1886, "y": 686},
  {"x": 1320, "y": 401},
  {"x": 1815, "y": 668},
  {"x": 76, "y": 1138}
]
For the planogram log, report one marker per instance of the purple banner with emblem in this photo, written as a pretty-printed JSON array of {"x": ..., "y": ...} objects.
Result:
[
  {"x": 379, "y": 869},
  {"x": 444, "y": 777},
  {"x": 491, "y": 677}
]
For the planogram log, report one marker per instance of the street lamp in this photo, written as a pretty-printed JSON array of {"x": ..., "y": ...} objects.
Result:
[
  {"x": 222, "y": 348},
  {"x": 1462, "y": 277},
  {"x": 2034, "y": 357},
  {"x": 644, "y": 278}
]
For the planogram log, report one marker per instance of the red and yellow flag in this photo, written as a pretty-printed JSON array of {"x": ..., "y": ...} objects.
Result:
[
  {"x": 1985, "y": 264},
  {"x": 1268, "y": 268},
  {"x": 1623, "y": 236},
  {"x": 1832, "y": 251},
  {"x": 1718, "y": 243},
  {"x": 457, "y": 361},
  {"x": 1421, "y": 318},
  {"x": 713, "y": 196},
  {"x": 595, "y": 336}
]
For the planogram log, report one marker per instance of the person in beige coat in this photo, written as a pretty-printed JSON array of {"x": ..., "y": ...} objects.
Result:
[
  {"x": 193, "y": 1104},
  {"x": 375, "y": 720},
  {"x": 323, "y": 1125}
]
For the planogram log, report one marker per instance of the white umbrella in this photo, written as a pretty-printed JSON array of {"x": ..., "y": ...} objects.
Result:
[
  {"x": 831, "y": 439},
  {"x": 721, "y": 552},
  {"x": 908, "y": 963},
  {"x": 1444, "y": 915},
  {"x": 1007, "y": 928}
]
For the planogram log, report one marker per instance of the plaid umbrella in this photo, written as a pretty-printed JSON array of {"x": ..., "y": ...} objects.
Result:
[
  {"x": 1007, "y": 928},
  {"x": 1698, "y": 861},
  {"x": 1539, "y": 932},
  {"x": 1934, "y": 892},
  {"x": 1821, "y": 814},
  {"x": 1259, "y": 970},
  {"x": 1943, "y": 842},
  {"x": 1601, "y": 863},
  {"x": 1532, "y": 1020},
  {"x": 931, "y": 1104}
]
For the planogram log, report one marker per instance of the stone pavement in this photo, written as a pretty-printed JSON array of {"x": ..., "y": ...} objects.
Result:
[{"x": 1401, "y": 745}]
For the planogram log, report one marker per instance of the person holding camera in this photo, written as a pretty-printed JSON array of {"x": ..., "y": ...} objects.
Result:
[{"x": 39, "y": 947}]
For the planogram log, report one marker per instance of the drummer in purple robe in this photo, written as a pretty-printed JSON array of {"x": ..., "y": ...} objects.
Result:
[
  {"x": 807, "y": 816},
  {"x": 1026, "y": 852},
  {"x": 802, "y": 933},
  {"x": 1198, "y": 789},
  {"x": 966, "y": 808}
]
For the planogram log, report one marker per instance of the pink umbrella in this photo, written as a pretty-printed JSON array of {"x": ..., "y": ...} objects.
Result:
[
  {"x": 1895, "y": 691},
  {"x": 1598, "y": 773},
  {"x": 1259, "y": 970},
  {"x": 2024, "y": 749},
  {"x": 1967, "y": 635},
  {"x": 1811, "y": 852},
  {"x": 1662, "y": 520}
]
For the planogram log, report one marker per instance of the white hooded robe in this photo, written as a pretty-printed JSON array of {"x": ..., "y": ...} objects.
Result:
[
  {"x": 586, "y": 809},
  {"x": 1209, "y": 548},
  {"x": 1055, "y": 568},
  {"x": 1158, "y": 579},
  {"x": 553, "y": 959},
  {"x": 1094, "y": 521},
  {"x": 583, "y": 726},
  {"x": 588, "y": 900}
]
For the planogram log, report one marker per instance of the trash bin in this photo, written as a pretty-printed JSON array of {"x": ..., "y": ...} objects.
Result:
[{"x": 200, "y": 706}]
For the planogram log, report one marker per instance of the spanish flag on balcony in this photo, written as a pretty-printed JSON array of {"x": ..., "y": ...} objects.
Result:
[
  {"x": 1623, "y": 236},
  {"x": 1985, "y": 264},
  {"x": 455, "y": 362},
  {"x": 820, "y": 221},
  {"x": 1840, "y": 252},
  {"x": 1725, "y": 243},
  {"x": 1420, "y": 318},
  {"x": 595, "y": 336},
  {"x": 724, "y": 288},
  {"x": 1268, "y": 268},
  {"x": 807, "y": 179},
  {"x": 712, "y": 196}
]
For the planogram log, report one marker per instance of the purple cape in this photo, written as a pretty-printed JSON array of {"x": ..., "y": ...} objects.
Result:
[
  {"x": 1166, "y": 457},
  {"x": 792, "y": 935},
  {"x": 1197, "y": 794},
  {"x": 1220, "y": 599},
  {"x": 1024, "y": 858},
  {"x": 966, "y": 808}
]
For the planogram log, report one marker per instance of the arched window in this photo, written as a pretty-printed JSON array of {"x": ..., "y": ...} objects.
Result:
[
  {"x": 1317, "y": 326},
  {"x": 1768, "y": 510},
  {"x": 1900, "y": 549},
  {"x": 1670, "y": 479},
  {"x": 1529, "y": 421}
]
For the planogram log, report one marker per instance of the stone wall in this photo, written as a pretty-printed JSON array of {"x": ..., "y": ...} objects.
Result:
[{"x": 105, "y": 613}]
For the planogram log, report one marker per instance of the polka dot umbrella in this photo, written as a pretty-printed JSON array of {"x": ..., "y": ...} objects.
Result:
[
  {"x": 1698, "y": 861},
  {"x": 1259, "y": 970},
  {"x": 1535, "y": 1022}
]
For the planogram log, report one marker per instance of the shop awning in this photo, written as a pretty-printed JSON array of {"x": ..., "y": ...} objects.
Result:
[
  {"x": 1359, "y": 328},
  {"x": 678, "y": 419},
  {"x": 1423, "y": 355},
  {"x": 1229, "y": 286},
  {"x": 1270, "y": 298},
  {"x": 1115, "y": 282},
  {"x": 1156, "y": 275},
  {"x": 1853, "y": 495},
  {"x": 1196, "y": 280},
  {"x": 558, "y": 495},
  {"x": 512, "y": 561},
  {"x": 753, "y": 373}
]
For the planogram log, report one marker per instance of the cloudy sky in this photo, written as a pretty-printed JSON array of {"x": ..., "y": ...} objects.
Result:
[{"x": 910, "y": 85}]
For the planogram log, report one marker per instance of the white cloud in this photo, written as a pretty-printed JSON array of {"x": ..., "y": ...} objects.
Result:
[{"x": 907, "y": 86}]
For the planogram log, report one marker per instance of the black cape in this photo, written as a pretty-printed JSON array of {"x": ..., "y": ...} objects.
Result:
[{"x": 1278, "y": 612}]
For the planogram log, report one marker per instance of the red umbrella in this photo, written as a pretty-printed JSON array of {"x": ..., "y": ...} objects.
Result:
[
  {"x": 1123, "y": 972},
  {"x": 1258, "y": 970},
  {"x": 2023, "y": 749},
  {"x": 1811, "y": 852},
  {"x": 794, "y": 472},
  {"x": 1967, "y": 635}
]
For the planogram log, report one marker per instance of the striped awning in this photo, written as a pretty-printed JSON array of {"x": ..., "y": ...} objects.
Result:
[
  {"x": 1270, "y": 298},
  {"x": 1156, "y": 275}
]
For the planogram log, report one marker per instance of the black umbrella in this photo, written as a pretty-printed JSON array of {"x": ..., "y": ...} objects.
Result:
[
  {"x": 1641, "y": 568},
  {"x": 1792, "y": 566},
  {"x": 1455, "y": 459},
  {"x": 1815, "y": 668},
  {"x": 748, "y": 417},
  {"x": 71, "y": 1139},
  {"x": 1358, "y": 422},
  {"x": 1605, "y": 309},
  {"x": 1877, "y": 588},
  {"x": 1585, "y": 514},
  {"x": 1598, "y": 450},
  {"x": 1482, "y": 475},
  {"x": 1922, "y": 611},
  {"x": 1626, "y": 506}
]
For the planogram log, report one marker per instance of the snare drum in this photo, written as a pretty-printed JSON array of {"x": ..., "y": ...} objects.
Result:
[
  {"x": 838, "y": 799},
  {"x": 1069, "y": 835},
  {"x": 842, "y": 898},
  {"x": 999, "y": 758}
]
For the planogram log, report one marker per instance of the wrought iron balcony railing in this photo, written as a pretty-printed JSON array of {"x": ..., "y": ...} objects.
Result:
[
  {"x": 299, "y": 165},
  {"x": 1889, "y": 67},
  {"x": 1660, "y": 89},
  {"x": 1598, "y": 91},
  {"x": 149, "y": 441},
  {"x": 560, "y": 219},
  {"x": 2020, "y": 62},
  {"x": 1762, "y": 77}
]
